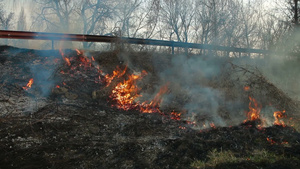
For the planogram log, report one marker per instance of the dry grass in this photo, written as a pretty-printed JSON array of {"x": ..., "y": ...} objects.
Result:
[
  {"x": 215, "y": 158},
  {"x": 221, "y": 157}
]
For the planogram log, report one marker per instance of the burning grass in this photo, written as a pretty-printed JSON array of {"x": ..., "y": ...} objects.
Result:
[{"x": 99, "y": 110}]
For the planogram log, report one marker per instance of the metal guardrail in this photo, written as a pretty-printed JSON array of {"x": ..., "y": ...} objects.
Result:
[{"x": 114, "y": 39}]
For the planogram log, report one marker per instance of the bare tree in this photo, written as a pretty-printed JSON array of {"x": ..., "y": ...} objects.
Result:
[
  {"x": 55, "y": 14},
  {"x": 124, "y": 15},
  {"x": 93, "y": 14},
  {"x": 218, "y": 22},
  {"x": 250, "y": 18},
  {"x": 177, "y": 19},
  {"x": 202, "y": 24},
  {"x": 21, "y": 26},
  {"x": 288, "y": 19},
  {"x": 271, "y": 32},
  {"x": 145, "y": 18},
  {"x": 170, "y": 17},
  {"x": 294, "y": 9},
  {"x": 287, "y": 11},
  {"x": 6, "y": 20}
]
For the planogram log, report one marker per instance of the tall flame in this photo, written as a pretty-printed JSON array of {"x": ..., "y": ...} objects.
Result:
[
  {"x": 126, "y": 92},
  {"x": 67, "y": 60},
  {"x": 153, "y": 106},
  {"x": 116, "y": 73},
  {"x": 29, "y": 84},
  {"x": 254, "y": 109},
  {"x": 78, "y": 51},
  {"x": 278, "y": 115}
]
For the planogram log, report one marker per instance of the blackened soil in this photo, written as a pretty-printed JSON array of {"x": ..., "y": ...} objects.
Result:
[{"x": 75, "y": 130}]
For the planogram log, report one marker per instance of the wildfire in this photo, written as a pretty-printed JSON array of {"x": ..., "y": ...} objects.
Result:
[
  {"x": 28, "y": 86},
  {"x": 254, "y": 110},
  {"x": 86, "y": 62},
  {"x": 67, "y": 60},
  {"x": 247, "y": 88},
  {"x": 212, "y": 125},
  {"x": 78, "y": 52},
  {"x": 116, "y": 73},
  {"x": 278, "y": 115},
  {"x": 126, "y": 92},
  {"x": 271, "y": 141},
  {"x": 175, "y": 115},
  {"x": 153, "y": 106}
]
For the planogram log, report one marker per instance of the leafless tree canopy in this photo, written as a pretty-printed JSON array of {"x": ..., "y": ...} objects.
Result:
[{"x": 238, "y": 23}]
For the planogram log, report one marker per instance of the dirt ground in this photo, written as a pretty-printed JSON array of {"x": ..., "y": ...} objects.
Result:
[{"x": 76, "y": 126}]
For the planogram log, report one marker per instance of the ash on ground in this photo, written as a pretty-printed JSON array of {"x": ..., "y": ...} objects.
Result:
[{"x": 66, "y": 118}]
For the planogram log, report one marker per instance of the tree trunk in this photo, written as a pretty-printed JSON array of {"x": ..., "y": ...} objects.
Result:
[{"x": 296, "y": 15}]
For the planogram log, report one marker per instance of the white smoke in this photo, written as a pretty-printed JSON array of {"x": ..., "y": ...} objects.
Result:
[{"x": 189, "y": 79}]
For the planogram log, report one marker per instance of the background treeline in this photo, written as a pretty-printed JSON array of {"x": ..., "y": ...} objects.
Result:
[{"x": 237, "y": 23}]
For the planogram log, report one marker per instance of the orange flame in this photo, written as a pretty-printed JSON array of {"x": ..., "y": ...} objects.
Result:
[
  {"x": 85, "y": 61},
  {"x": 67, "y": 60},
  {"x": 182, "y": 127},
  {"x": 158, "y": 97},
  {"x": 175, "y": 115},
  {"x": 116, "y": 73},
  {"x": 254, "y": 110},
  {"x": 247, "y": 88},
  {"x": 29, "y": 84},
  {"x": 153, "y": 106},
  {"x": 212, "y": 125},
  {"x": 78, "y": 51},
  {"x": 278, "y": 115},
  {"x": 125, "y": 93},
  {"x": 270, "y": 141}
]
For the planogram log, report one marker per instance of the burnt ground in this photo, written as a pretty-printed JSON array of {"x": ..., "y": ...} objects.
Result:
[{"x": 75, "y": 126}]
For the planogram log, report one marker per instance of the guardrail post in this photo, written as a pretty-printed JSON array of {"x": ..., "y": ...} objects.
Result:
[
  {"x": 173, "y": 48},
  {"x": 52, "y": 42}
]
